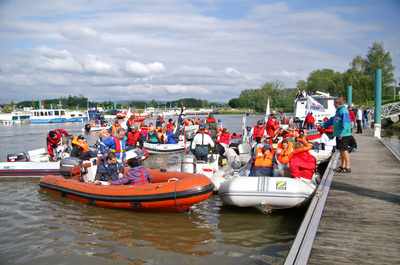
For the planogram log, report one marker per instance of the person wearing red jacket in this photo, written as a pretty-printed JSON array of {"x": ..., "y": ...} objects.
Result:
[
  {"x": 133, "y": 138},
  {"x": 52, "y": 140},
  {"x": 272, "y": 126},
  {"x": 352, "y": 117},
  {"x": 302, "y": 164},
  {"x": 309, "y": 121}
]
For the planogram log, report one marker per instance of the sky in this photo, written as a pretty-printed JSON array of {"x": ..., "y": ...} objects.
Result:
[{"x": 166, "y": 50}]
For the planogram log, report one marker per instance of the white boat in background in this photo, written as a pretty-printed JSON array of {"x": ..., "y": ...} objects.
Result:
[
  {"x": 76, "y": 116},
  {"x": 301, "y": 109},
  {"x": 266, "y": 193},
  {"x": 15, "y": 117},
  {"x": 48, "y": 116}
]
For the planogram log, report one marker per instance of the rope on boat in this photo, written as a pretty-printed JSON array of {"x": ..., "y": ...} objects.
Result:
[
  {"x": 115, "y": 187},
  {"x": 176, "y": 200}
]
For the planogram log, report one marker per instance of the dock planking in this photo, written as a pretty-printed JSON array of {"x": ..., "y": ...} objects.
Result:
[{"x": 360, "y": 223}]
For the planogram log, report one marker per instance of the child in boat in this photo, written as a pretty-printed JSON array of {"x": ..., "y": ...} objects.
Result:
[{"x": 137, "y": 175}]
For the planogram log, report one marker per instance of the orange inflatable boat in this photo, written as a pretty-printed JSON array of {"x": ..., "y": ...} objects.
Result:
[{"x": 169, "y": 191}]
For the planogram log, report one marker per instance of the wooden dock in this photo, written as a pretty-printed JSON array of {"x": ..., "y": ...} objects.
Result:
[{"x": 360, "y": 221}]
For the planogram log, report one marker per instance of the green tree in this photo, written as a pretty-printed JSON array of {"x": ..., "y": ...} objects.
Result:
[{"x": 378, "y": 58}]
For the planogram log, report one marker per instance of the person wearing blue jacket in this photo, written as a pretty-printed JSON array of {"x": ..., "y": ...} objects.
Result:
[
  {"x": 115, "y": 144},
  {"x": 171, "y": 139},
  {"x": 342, "y": 131}
]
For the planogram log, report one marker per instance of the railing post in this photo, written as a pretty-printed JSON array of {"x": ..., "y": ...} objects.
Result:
[
  {"x": 350, "y": 96},
  {"x": 378, "y": 103}
]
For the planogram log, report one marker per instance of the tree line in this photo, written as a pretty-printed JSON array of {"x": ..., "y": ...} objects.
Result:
[{"x": 360, "y": 76}]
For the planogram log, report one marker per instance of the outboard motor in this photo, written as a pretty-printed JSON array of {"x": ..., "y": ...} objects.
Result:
[
  {"x": 71, "y": 167},
  {"x": 18, "y": 157},
  {"x": 88, "y": 127},
  {"x": 189, "y": 164}
]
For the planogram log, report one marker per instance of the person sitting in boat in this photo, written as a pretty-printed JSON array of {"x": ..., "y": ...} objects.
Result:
[
  {"x": 272, "y": 126},
  {"x": 257, "y": 131},
  {"x": 201, "y": 143},
  {"x": 137, "y": 175},
  {"x": 160, "y": 121},
  {"x": 302, "y": 164},
  {"x": 114, "y": 127},
  {"x": 115, "y": 144},
  {"x": 133, "y": 138},
  {"x": 53, "y": 139},
  {"x": 109, "y": 169},
  {"x": 153, "y": 135},
  {"x": 80, "y": 148},
  {"x": 170, "y": 122},
  {"x": 130, "y": 121},
  {"x": 224, "y": 137},
  {"x": 283, "y": 151},
  {"x": 171, "y": 139},
  {"x": 303, "y": 135},
  {"x": 263, "y": 163},
  {"x": 212, "y": 126}
]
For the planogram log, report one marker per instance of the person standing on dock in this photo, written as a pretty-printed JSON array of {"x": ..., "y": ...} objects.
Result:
[
  {"x": 342, "y": 131},
  {"x": 359, "y": 118}
]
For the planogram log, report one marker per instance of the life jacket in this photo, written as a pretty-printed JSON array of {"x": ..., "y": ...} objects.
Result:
[
  {"x": 160, "y": 132},
  {"x": 258, "y": 132},
  {"x": 105, "y": 133},
  {"x": 131, "y": 122},
  {"x": 107, "y": 166},
  {"x": 84, "y": 146},
  {"x": 305, "y": 148},
  {"x": 186, "y": 123},
  {"x": 143, "y": 181},
  {"x": 133, "y": 138},
  {"x": 52, "y": 141},
  {"x": 261, "y": 160},
  {"x": 225, "y": 138},
  {"x": 210, "y": 120},
  {"x": 114, "y": 128},
  {"x": 283, "y": 155},
  {"x": 118, "y": 148}
]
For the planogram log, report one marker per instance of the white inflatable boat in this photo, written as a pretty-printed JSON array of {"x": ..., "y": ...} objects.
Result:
[{"x": 266, "y": 193}]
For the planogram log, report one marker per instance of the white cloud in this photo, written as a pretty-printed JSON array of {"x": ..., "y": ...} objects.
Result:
[
  {"x": 173, "y": 49},
  {"x": 140, "y": 69},
  {"x": 95, "y": 65}
]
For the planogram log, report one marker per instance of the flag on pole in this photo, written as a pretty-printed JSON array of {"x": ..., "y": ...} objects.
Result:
[
  {"x": 313, "y": 105},
  {"x": 267, "y": 112},
  {"x": 180, "y": 127}
]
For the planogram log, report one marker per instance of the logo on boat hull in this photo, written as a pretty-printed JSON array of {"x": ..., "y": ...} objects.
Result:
[{"x": 281, "y": 185}]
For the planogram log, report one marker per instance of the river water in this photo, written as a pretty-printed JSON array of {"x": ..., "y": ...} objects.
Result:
[{"x": 40, "y": 227}]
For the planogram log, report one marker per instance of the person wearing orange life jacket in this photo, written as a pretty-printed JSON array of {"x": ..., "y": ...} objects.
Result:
[
  {"x": 160, "y": 121},
  {"x": 53, "y": 139},
  {"x": 263, "y": 163},
  {"x": 170, "y": 122},
  {"x": 272, "y": 126},
  {"x": 283, "y": 152},
  {"x": 114, "y": 128},
  {"x": 115, "y": 144},
  {"x": 80, "y": 148},
  {"x": 301, "y": 163},
  {"x": 257, "y": 131}
]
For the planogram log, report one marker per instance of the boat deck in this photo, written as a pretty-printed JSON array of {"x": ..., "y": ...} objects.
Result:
[{"x": 360, "y": 222}]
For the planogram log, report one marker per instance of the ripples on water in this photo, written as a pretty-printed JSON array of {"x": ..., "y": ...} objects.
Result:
[{"x": 41, "y": 227}]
